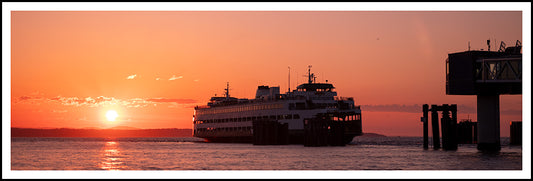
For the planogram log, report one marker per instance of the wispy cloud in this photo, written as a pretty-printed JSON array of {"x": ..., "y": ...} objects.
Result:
[
  {"x": 27, "y": 99},
  {"x": 413, "y": 108},
  {"x": 181, "y": 101},
  {"x": 101, "y": 101},
  {"x": 157, "y": 78},
  {"x": 175, "y": 78},
  {"x": 392, "y": 108},
  {"x": 131, "y": 76},
  {"x": 59, "y": 111}
]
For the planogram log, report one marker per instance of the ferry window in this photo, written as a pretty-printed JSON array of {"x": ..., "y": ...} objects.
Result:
[
  {"x": 288, "y": 116},
  {"x": 296, "y": 116},
  {"x": 280, "y": 117},
  {"x": 291, "y": 105},
  {"x": 300, "y": 105}
]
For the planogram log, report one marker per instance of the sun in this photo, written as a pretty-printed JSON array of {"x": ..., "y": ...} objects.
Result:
[{"x": 111, "y": 115}]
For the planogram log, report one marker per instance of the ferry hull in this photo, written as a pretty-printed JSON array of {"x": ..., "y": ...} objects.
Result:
[
  {"x": 317, "y": 132},
  {"x": 297, "y": 139}
]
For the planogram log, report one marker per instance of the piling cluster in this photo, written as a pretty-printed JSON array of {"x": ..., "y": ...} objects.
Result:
[
  {"x": 448, "y": 126},
  {"x": 323, "y": 132},
  {"x": 467, "y": 132},
  {"x": 270, "y": 132}
]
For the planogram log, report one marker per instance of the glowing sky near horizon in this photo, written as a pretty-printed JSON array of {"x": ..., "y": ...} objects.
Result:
[{"x": 68, "y": 68}]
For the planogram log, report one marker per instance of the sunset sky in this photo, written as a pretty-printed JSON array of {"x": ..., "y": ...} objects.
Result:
[{"x": 69, "y": 68}]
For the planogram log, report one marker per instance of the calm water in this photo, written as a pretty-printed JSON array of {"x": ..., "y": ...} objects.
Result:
[{"x": 364, "y": 153}]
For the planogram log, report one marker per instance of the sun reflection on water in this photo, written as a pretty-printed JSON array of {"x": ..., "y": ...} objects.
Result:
[{"x": 112, "y": 159}]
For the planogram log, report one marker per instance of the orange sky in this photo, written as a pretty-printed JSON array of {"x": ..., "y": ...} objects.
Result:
[{"x": 69, "y": 68}]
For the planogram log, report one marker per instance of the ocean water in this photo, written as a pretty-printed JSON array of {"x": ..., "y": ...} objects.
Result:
[{"x": 364, "y": 153}]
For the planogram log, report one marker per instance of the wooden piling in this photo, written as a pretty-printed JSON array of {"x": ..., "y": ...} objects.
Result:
[
  {"x": 466, "y": 133},
  {"x": 435, "y": 127},
  {"x": 336, "y": 133},
  {"x": 516, "y": 133},
  {"x": 315, "y": 132},
  {"x": 425, "y": 109},
  {"x": 270, "y": 132},
  {"x": 444, "y": 125},
  {"x": 453, "y": 127}
]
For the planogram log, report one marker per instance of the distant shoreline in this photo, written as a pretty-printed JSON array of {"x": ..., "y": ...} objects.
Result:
[
  {"x": 100, "y": 133},
  {"x": 372, "y": 135}
]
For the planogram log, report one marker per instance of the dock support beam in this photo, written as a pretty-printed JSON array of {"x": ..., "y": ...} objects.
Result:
[
  {"x": 488, "y": 115},
  {"x": 425, "y": 109},
  {"x": 435, "y": 127}
]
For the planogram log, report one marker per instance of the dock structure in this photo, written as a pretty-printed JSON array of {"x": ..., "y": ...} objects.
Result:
[
  {"x": 324, "y": 132},
  {"x": 270, "y": 132},
  {"x": 486, "y": 74},
  {"x": 467, "y": 132}
]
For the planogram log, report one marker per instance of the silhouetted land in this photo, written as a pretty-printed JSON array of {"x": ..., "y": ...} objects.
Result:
[
  {"x": 372, "y": 135},
  {"x": 100, "y": 133}
]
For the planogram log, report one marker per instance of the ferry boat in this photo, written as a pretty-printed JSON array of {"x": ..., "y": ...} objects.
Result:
[{"x": 230, "y": 119}]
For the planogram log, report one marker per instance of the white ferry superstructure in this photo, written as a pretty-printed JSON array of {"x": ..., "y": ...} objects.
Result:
[{"x": 229, "y": 119}]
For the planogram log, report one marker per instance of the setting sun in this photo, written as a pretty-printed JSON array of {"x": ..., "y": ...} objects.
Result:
[{"x": 111, "y": 115}]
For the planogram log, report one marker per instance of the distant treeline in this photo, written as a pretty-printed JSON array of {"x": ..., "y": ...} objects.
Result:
[{"x": 100, "y": 133}]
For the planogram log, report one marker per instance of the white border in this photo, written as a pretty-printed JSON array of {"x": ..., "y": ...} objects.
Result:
[
  {"x": 525, "y": 7},
  {"x": 268, "y": 6}
]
